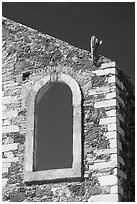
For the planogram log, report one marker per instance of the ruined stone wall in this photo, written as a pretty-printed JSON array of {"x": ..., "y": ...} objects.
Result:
[{"x": 107, "y": 110}]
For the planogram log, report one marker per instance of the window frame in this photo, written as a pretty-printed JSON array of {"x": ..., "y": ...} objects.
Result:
[{"x": 53, "y": 174}]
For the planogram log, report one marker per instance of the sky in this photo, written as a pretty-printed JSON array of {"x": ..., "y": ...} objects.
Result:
[{"x": 76, "y": 22}]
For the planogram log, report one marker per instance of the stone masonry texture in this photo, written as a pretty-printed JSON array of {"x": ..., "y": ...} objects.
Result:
[{"x": 107, "y": 119}]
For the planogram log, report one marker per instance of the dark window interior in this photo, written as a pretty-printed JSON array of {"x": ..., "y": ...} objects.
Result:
[{"x": 53, "y": 127}]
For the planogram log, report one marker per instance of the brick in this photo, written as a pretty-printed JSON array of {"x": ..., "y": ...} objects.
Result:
[
  {"x": 11, "y": 128},
  {"x": 9, "y": 147},
  {"x": 11, "y": 159},
  {"x": 8, "y": 100},
  {"x": 5, "y": 122},
  {"x": 109, "y": 64},
  {"x": 18, "y": 78},
  {"x": 109, "y": 120},
  {"x": 111, "y": 135},
  {"x": 101, "y": 90},
  {"x": 114, "y": 143},
  {"x": 120, "y": 173},
  {"x": 104, "y": 198},
  {"x": 102, "y": 165},
  {"x": 10, "y": 85},
  {"x": 116, "y": 190},
  {"x": 8, "y": 82},
  {"x": 3, "y": 108},
  {"x": 110, "y": 95},
  {"x": 105, "y": 151},
  {"x": 8, "y": 154},
  {"x": 106, "y": 103},
  {"x": 86, "y": 175},
  {"x": 108, "y": 180},
  {"x": 116, "y": 127},
  {"x": 114, "y": 157},
  {"x": 112, "y": 127},
  {"x": 10, "y": 114},
  {"x": 105, "y": 72},
  {"x": 111, "y": 113},
  {"x": 117, "y": 158},
  {"x": 6, "y": 165},
  {"x": 114, "y": 79},
  {"x": 4, "y": 181},
  {"x": 5, "y": 170}
]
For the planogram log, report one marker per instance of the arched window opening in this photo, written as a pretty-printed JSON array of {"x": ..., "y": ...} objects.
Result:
[
  {"x": 53, "y": 130},
  {"x": 53, "y": 127}
]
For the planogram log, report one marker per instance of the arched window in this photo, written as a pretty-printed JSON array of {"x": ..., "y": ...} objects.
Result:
[
  {"x": 53, "y": 127},
  {"x": 53, "y": 137}
]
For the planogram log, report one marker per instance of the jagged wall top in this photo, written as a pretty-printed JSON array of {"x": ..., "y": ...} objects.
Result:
[{"x": 39, "y": 50}]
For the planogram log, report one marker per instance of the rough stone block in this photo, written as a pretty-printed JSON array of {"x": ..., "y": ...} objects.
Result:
[
  {"x": 8, "y": 82},
  {"x": 104, "y": 198},
  {"x": 109, "y": 64},
  {"x": 3, "y": 108},
  {"x": 114, "y": 79},
  {"x": 8, "y": 154},
  {"x": 11, "y": 159},
  {"x": 114, "y": 143},
  {"x": 106, "y": 103},
  {"x": 117, "y": 158},
  {"x": 8, "y": 100},
  {"x": 119, "y": 173},
  {"x": 106, "y": 151},
  {"x": 112, "y": 127},
  {"x": 5, "y": 122},
  {"x": 116, "y": 127},
  {"x": 102, "y": 165},
  {"x": 109, "y": 120},
  {"x": 106, "y": 72},
  {"x": 4, "y": 181},
  {"x": 101, "y": 90},
  {"x": 5, "y": 170},
  {"x": 6, "y": 165},
  {"x": 116, "y": 190},
  {"x": 10, "y": 114},
  {"x": 111, "y": 113},
  {"x": 10, "y": 85},
  {"x": 108, "y": 180},
  {"x": 11, "y": 128},
  {"x": 111, "y": 135},
  {"x": 9, "y": 147},
  {"x": 110, "y": 95}
]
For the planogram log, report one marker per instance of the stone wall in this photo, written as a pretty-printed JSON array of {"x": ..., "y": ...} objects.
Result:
[{"x": 107, "y": 112}]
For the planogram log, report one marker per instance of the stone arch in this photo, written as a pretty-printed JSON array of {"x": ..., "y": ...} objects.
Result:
[{"x": 75, "y": 171}]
